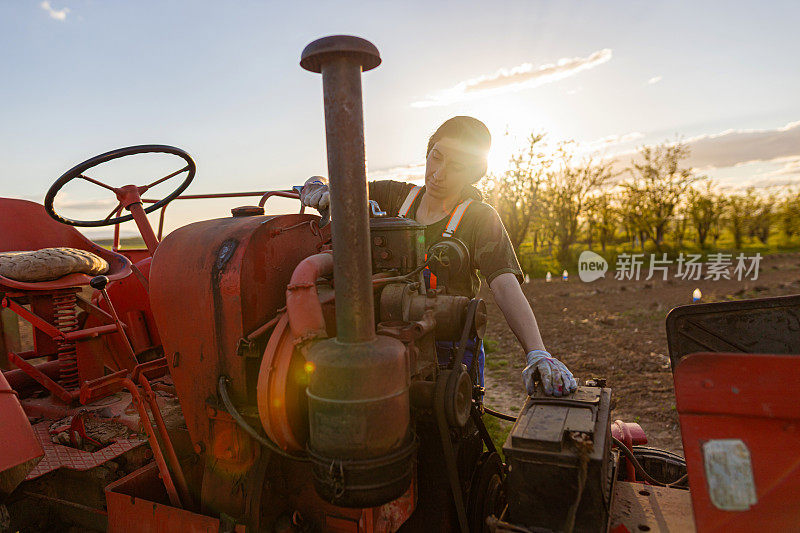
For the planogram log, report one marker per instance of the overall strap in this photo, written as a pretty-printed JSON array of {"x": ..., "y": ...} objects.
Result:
[
  {"x": 406, "y": 207},
  {"x": 455, "y": 218}
]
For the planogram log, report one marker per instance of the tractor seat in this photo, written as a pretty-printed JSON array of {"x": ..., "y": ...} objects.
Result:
[
  {"x": 39, "y": 254},
  {"x": 50, "y": 263}
]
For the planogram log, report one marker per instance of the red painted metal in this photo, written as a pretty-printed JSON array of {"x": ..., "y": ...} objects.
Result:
[
  {"x": 754, "y": 398},
  {"x": 26, "y": 226},
  {"x": 35, "y": 320},
  {"x": 281, "y": 399},
  {"x": 158, "y": 455},
  {"x": 129, "y": 198},
  {"x": 237, "y": 280},
  {"x": 138, "y": 503},
  {"x": 127, "y": 356},
  {"x": 630, "y": 434},
  {"x": 302, "y": 302},
  {"x": 43, "y": 379},
  {"x": 136, "y": 253},
  {"x": 58, "y": 456},
  {"x": 282, "y": 194},
  {"x": 92, "y": 391},
  {"x": 21, "y": 381},
  {"x": 169, "y": 449},
  {"x": 21, "y": 450}
]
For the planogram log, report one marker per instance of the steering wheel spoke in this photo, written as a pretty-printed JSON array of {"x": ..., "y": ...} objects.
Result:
[
  {"x": 115, "y": 210},
  {"x": 97, "y": 182},
  {"x": 78, "y": 172},
  {"x": 161, "y": 180}
]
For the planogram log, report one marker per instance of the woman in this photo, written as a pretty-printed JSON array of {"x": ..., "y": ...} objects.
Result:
[{"x": 450, "y": 206}]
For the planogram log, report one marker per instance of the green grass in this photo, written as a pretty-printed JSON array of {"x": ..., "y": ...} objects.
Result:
[
  {"x": 495, "y": 364},
  {"x": 126, "y": 243},
  {"x": 537, "y": 264},
  {"x": 498, "y": 430},
  {"x": 490, "y": 345}
]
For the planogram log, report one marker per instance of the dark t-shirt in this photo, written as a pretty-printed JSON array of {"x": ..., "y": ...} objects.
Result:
[{"x": 481, "y": 230}]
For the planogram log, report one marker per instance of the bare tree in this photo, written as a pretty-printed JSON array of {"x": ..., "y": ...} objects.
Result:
[
  {"x": 566, "y": 189},
  {"x": 656, "y": 184},
  {"x": 515, "y": 193},
  {"x": 736, "y": 217},
  {"x": 788, "y": 213},
  {"x": 602, "y": 215},
  {"x": 762, "y": 216},
  {"x": 704, "y": 207}
]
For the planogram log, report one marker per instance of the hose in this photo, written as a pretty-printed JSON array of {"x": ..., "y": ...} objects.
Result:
[
  {"x": 242, "y": 423},
  {"x": 498, "y": 414},
  {"x": 621, "y": 445},
  {"x": 638, "y": 466}
]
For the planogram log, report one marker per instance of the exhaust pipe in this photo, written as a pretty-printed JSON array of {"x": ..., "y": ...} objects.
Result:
[
  {"x": 341, "y": 59},
  {"x": 360, "y": 443}
]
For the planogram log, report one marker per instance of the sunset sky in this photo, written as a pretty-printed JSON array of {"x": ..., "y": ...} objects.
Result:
[{"x": 221, "y": 80}]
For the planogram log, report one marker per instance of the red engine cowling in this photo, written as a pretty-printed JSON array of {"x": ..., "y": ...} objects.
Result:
[{"x": 212, "y": 284}]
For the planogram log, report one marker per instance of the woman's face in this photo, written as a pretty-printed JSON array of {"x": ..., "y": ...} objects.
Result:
[{"x": 450, "y": 166}]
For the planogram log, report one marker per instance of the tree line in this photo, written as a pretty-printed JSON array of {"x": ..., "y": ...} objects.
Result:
[{"x": 551, "y": 199}]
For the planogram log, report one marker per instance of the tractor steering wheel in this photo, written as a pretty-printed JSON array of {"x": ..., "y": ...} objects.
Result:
[{"x": 125, "y": 195}]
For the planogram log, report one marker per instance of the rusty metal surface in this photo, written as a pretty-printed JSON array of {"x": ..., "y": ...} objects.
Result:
[
  {"x": 282, "y": 379},
  {"x": 58, "y": 456},
  {"x": 753, "y": 399},
  {"x": 25, "y": 225},
  {"x": 236, "y": 281},
  {"x": 20, "y": 448},
  {"x": 341, "y": 60},
  {"x": 207, "y": 298},
  {"x": 137, "y": 503},
  {"x": 763, "y": 325},
  {"x": 359, "y": 417},
  {"x": 637, "y": 507}
]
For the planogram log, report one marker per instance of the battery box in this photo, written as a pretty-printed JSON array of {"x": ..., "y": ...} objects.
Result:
[{"x": 543, "y": 457}]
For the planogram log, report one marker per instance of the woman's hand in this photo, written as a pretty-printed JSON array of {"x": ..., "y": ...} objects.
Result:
[
  {"x": 556, "y": 378},
  {"x": 315, "y": 193}
]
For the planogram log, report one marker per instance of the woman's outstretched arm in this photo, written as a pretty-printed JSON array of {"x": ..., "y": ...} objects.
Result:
[
  {"x": 555, "y": 377},
  {"x": 515, "y": 307}
]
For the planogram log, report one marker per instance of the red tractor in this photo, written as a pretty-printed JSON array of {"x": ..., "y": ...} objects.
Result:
[{"x": 277, "y": 373}]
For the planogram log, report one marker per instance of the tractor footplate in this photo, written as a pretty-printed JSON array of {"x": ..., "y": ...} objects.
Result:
[
  {"x": 57, "y": 456},
  {"x": 638, "y": 507}
]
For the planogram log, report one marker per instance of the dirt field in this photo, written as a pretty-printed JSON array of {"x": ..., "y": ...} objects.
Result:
[{"x": 615, "y": 329}]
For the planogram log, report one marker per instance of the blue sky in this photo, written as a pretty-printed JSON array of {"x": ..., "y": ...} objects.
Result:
[{"x": 221, "y": 80}]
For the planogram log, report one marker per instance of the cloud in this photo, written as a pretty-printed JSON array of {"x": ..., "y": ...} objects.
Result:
[
  {"x": 609, "y": 140},
  {"x": 654, "y": 80},
  {"x": 411, "y": 172},
  {"x": 776, "y": 149},
  {"x": 518, "y": 78},
  {"x": 737, "y": 147},
  {"x": 58, "y": 14}
]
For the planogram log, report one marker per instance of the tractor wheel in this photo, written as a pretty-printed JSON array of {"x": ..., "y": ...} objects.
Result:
[{"x": 486, "y": 495}]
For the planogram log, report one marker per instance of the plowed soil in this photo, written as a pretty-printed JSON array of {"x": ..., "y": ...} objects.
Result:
[{"x": 616, "y": 329}]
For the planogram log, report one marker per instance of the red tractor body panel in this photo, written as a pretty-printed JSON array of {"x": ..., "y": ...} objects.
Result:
[{"x": 740, "y": 422}]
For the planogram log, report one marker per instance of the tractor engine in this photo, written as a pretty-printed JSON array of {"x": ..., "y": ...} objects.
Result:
[{"x": 305, "y": 359}]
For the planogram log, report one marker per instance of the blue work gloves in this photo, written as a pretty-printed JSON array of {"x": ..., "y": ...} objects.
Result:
[
  {"x": 556, "y": 378},
  {"x": 315, "y": 193}
]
